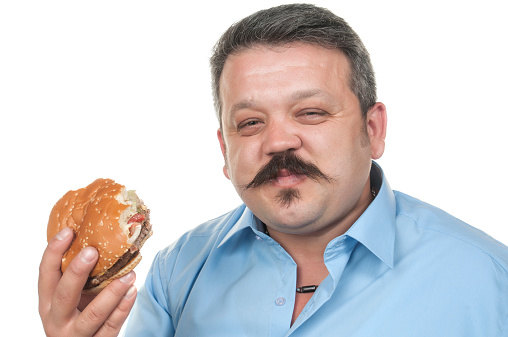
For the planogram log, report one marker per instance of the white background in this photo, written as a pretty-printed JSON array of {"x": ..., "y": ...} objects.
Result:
[{"x": 121, "y": 89}]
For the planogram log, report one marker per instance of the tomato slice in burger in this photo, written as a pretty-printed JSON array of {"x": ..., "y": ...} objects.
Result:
[{"x": 136, "y": 218}]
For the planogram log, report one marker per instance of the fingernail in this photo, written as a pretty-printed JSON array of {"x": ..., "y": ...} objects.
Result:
[
  {"x": 127, "y": 278},
  {"x": 63, "y": 234},
  {"x": 128, "y": 295},
  {"x": 88, "y": 255}
]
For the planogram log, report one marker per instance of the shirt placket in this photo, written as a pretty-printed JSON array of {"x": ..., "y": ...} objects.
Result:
[{"x": 336, "y": 257}]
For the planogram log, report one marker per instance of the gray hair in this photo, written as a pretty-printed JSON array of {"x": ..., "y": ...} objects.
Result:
[{"x": 297, "y": 23}]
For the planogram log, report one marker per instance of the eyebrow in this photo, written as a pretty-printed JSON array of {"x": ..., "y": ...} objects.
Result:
[
  {"x": 303, "y": 94},
  {"x": 241, "y": 105},
  {"x": 298, "y": 95},
  {"x": 235, "y": 108}
]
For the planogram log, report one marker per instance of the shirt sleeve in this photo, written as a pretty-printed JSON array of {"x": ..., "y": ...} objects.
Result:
[{"x": 150, "y": 315}]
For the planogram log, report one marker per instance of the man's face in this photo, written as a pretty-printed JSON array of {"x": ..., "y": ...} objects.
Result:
[{"x": 291, "y": 108}]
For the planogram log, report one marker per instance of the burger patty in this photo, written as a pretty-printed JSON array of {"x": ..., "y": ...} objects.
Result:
[{"x": 125, "y": 258}]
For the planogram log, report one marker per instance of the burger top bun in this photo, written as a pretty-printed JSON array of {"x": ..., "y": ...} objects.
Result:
[{"x": 98, "y": 214}]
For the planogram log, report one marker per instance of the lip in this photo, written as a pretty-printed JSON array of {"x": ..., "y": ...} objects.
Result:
[{"x": 287, "y": 179}]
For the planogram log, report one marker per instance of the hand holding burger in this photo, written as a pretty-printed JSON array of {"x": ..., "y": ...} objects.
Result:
[
  {"x": 64, "y": 309},
  {"x": 111, "y": 219}
]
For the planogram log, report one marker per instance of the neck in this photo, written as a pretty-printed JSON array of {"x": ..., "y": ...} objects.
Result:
[
  {"x": 303, "y": 248},
  {"x": 308, "y": 247}
]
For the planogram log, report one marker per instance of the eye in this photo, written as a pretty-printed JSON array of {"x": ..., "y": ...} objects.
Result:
[
  {"x": 312, "y": 116},
  {"x": 248, "y": 123},
  {"x": 249, "y": 127},
  {"x": 313, "y": 113}
]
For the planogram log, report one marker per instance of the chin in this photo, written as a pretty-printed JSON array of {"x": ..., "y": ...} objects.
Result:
[{"x": 288, "y": 197}]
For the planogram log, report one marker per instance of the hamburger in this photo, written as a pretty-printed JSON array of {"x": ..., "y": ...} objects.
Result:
[{"x": 108, "y": 217}]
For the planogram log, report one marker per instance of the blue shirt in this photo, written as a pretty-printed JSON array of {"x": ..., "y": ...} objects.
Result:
[{"x": 405, "y": 268}]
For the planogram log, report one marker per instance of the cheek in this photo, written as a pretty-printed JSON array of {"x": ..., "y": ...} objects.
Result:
[
  {"x": 242, "y": 164},
  {"x": 341, "y": 153}
]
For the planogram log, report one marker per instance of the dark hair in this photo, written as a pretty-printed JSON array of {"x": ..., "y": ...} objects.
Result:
[{"x": 297, "y": 23}]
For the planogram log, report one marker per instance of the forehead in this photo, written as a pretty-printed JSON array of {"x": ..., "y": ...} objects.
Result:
[
  {"x": 297, "y": 53},
  {"x": 262, "y": 72}
]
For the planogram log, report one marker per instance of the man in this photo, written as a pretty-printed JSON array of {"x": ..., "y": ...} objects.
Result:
[{"x": 322, "y": 246}]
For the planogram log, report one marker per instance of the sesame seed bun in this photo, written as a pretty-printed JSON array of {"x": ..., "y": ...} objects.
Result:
[{"x": 99, "y": 214}]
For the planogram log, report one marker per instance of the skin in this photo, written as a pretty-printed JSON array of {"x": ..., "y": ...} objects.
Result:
[
  {"x": 297, "y": 98},
  {"x": 63, "y": 310}
]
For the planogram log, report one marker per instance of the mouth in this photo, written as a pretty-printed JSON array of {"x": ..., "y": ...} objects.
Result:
[
  {"x": 286, "y": 178},
  {"x": 286, "y": 170}
]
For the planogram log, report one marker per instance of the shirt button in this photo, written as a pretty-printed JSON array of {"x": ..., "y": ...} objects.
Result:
[
  {"x": 280, "y": 301},
  {"x": 259, "y": 238}
]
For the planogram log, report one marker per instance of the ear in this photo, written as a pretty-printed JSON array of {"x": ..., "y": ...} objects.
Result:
[
  {"x": 223, "y": 149},
  {"x": 376, "y": 128}
]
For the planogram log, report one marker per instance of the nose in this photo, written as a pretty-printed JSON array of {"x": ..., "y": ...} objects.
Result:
[{"x": 279, "y": 137}]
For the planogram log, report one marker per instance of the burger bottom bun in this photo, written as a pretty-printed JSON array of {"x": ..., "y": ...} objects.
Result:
[{"x": 124, "y": 271}]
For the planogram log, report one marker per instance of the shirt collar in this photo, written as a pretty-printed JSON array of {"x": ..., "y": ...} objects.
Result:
[
  {"x": 247, "y": 219},
  {"x": 375, "y": 228}
]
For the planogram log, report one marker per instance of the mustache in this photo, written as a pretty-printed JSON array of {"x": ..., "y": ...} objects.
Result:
[{"x": 289, "y": 161}]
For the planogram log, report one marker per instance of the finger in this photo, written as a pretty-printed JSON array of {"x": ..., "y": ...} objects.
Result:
[
  {"x": 118, "y": 317},
  {"x": 49, "y": 269},
  {"x": 68, "y": 291},
  {"x": 110, "y": 307}
]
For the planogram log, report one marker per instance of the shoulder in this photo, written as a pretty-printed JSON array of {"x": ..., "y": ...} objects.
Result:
[
  {"x": 173, "y": 272},
  {"x": 176, "y": 268},
  {"x": 443, "y": 228},
  {"x": 198, "y": 242}
]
